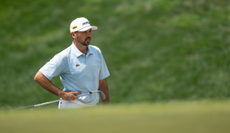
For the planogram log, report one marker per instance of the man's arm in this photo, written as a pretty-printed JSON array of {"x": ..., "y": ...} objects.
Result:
[
  {"x": 49, "y": 86},
  {"x": 103, "y": 86}
]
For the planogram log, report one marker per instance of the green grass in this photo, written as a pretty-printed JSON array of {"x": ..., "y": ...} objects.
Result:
[
  {"x": 171, "y": 117},
  {"x": 156, "y": 50}
]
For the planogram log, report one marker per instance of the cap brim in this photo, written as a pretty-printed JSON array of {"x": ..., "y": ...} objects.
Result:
[{"x": 89, "y": 27}]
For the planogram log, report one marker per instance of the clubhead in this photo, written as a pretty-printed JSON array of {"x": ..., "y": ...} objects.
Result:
[{"x": 102, "y": 95}]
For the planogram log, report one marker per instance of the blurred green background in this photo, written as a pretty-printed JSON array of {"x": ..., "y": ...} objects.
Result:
[{"x": 156, "y": 50}]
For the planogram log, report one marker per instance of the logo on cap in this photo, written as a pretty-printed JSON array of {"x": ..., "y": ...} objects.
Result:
[
  {"x": 85, "y": 23},
  {"x": 75, "y": 27}
]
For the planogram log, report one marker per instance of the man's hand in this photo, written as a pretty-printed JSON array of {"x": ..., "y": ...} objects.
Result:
[
  {"x": 48, "y": 85},
  {"x": 69, "y": 96}
]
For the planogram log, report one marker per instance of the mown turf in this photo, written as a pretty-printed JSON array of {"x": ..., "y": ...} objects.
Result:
[
  {"x": 173, "y": 117},
  {"x": 156, "y": 50}
]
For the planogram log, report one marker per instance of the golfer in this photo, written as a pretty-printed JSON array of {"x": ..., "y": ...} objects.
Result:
[{"x": 81, "y": 67}]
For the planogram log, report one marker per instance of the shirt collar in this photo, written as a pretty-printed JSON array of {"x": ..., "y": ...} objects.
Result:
[
  {"x": 90, "y": 51},
  {"x": 78, "y": 53}
]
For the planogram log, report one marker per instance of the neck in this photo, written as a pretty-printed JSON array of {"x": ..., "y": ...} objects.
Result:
[{"x": 82, "y": 48}]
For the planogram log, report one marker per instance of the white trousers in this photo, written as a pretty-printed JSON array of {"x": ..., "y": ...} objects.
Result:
[{"x": 71, "y": 104}]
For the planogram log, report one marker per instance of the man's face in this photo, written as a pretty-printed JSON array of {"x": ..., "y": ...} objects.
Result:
[{"x": 84, "y": 37}]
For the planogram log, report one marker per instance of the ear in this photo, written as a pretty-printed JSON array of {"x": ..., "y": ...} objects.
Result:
[{"x": 74, "y": 35}]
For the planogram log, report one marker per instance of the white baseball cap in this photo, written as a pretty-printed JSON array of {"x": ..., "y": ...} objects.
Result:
[{"x": 81, "y": 24}]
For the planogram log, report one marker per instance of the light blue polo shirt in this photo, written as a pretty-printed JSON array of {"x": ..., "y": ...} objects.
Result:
[{"x": 78, "y": 72}]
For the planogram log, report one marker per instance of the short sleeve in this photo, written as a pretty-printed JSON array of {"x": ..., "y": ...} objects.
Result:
[
  {"x": 104, "y": 72},
  {"x": 54, "y": 67}
]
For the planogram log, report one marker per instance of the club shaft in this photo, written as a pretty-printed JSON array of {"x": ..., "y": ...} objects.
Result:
[
  {"x": 36, "y": 105},
  {"x": 54, "y": 101}
]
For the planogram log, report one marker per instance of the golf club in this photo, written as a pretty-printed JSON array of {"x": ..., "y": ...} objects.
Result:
[{"x": 102, "y": 95}]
